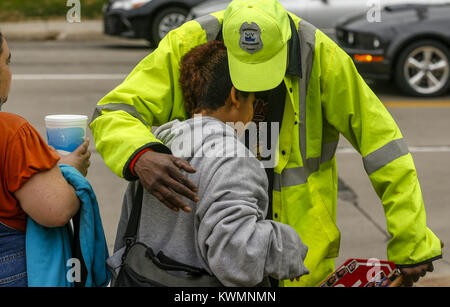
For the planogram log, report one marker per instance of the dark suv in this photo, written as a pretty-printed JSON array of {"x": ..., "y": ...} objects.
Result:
[{"x": 148, "y": 19}]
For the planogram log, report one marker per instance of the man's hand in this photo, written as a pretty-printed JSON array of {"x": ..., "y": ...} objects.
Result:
[
  {"x": 79, "y": 158},
  {"x": 161, "y": 176},
  {"x": 412, "y": 275}
]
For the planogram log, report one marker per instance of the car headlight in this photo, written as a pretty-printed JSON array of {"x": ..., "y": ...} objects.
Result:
[
  {"x": 368, "y": 41},
  {"x": 128, "y": 4},
  {"x": 350, "y": 38},
  {"x": 376, "y": 43}
]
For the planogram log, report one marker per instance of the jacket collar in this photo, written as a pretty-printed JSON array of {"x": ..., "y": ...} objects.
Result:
[{"x": 294, "y": 66}]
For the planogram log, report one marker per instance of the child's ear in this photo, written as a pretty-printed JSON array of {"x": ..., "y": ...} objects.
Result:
[{"x": 234, "y": 98}]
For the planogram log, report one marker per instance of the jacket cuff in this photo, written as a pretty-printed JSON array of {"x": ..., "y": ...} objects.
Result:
[
  {"x": 133, "y": 162},
  {"x": 128, "y": 170},
  {"x": 404, "y": 266}
]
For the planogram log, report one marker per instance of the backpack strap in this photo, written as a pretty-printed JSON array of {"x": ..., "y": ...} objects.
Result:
[{"x": 130, "y": 235}]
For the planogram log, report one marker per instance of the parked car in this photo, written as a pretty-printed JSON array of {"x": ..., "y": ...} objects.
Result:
[
  {"x": 411, "y": 45},
  {"x": 324, "y": 14},
  {"x": 147, "y": 19}
]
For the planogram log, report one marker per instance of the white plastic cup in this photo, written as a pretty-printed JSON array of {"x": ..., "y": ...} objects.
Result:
[{"x": 66, "y": 132}]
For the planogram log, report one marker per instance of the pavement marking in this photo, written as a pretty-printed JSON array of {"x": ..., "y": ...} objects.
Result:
[
  {"x": 417, "y": 104},
  {"x": 412, "y": 149},
  {"x": 65, "y": 77}
]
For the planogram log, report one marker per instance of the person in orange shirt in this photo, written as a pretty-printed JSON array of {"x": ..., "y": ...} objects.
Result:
[{"x": 31, "y": 183}]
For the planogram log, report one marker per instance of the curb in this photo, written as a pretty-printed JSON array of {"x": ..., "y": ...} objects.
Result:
[
  {"x": 53, "y": 36},
  {"x": 54, "y": 31}
]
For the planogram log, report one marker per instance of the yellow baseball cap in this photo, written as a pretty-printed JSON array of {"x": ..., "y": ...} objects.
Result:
[{"x": 256, "y": 33}]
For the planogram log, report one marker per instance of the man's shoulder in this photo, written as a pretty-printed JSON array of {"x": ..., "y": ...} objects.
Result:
[
  {"x": 322, "y": 42},
  {"x": 193, "y": 32},
  {"x": 200, "y": 24}
]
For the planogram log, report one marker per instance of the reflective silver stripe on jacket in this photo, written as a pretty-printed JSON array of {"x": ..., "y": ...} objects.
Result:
[
  {"x": 299, "y": 175},
  {"x": 211, "y": 25},
  {"x": 307, "y": 36},
  {"x": 130, "y": 109},
  {"x": 385, "y": 155}
]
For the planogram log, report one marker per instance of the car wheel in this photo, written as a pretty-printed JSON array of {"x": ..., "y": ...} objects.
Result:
[
  {"x": 423, "y": 69},
  {"x": 165, "y": 21}
]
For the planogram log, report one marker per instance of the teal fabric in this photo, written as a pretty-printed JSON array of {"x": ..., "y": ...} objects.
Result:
[{"x": 48, "y": 250}]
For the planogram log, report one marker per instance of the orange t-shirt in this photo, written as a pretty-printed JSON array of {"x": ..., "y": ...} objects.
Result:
[{"x": 23, "y": 153}]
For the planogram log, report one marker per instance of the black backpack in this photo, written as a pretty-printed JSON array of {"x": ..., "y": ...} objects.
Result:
[{"x": 140, "y": 266}]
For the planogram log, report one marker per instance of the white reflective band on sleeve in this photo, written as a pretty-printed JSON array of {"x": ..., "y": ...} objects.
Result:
[
  {"x": 130, "y": 109},
  {"x": 211, "y": 25},
  {"x": 385, "y": 155}
]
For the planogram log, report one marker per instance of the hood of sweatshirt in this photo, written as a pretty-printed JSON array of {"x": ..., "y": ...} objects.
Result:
[{"x": 189, "y": 138}]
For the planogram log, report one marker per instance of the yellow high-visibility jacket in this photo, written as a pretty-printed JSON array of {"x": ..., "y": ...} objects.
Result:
[{"x": 326, "y": 99}]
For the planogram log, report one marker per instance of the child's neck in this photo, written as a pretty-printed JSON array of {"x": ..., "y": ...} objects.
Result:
[{"x": 218, "y": 114}]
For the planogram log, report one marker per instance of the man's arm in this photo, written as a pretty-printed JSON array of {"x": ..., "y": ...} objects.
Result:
[
  {"x": 355, "y": 111},
  {"x": 122, "y": 122}
]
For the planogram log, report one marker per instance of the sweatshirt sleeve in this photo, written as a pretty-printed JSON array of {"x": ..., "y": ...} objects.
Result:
[{"x": 239, "y": 245}]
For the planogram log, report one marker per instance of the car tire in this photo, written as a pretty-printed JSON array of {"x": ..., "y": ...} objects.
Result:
[
  {"x": 166, "y": 20},
  {"x": 423, "y": 69}
]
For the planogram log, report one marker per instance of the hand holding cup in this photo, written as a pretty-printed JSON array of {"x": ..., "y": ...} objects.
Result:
[{"x": 67, "y": 135}]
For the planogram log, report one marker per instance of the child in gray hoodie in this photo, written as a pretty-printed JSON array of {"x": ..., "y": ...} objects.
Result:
[{"x": 226, "y": 232}]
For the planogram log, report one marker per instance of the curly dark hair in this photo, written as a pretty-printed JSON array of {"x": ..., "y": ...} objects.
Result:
[{"x": 205, "y": 78}]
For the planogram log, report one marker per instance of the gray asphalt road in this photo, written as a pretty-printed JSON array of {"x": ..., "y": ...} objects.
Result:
[{"x": 45, "y": 83}]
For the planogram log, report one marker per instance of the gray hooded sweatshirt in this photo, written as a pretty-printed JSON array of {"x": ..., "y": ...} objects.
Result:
[{"x": 226, "y": 233}]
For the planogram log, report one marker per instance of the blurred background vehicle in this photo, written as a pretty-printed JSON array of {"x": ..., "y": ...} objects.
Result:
[
  {"x": 148, "y": 19},
  {"x": 324, "y": 14},
  {"x": 411, "y": 46}
]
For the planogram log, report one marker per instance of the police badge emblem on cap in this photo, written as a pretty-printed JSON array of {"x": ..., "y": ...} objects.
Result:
[{"x": 250, "y": 37}]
